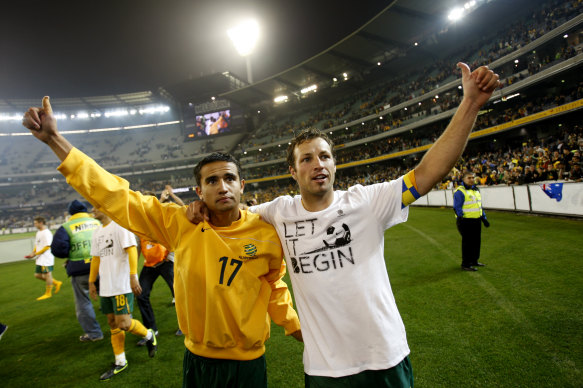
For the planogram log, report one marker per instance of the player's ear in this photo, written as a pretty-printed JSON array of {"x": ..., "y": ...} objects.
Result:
[
  {"x": 242, "y": 185},
  {"x": 198, "y": 191},
  {"x": 292, "y": 171}
]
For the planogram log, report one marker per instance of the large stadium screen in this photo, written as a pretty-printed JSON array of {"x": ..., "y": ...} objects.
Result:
[{"x": 214, "y": 123}]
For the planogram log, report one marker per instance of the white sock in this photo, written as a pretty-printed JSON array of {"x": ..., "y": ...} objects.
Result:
[
  {"x": 120, "y": 359},
  {"x": 149, "y": 336}
]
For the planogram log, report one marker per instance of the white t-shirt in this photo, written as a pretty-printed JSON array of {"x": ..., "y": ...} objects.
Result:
[
  {"x": 109, "y": 243},
  {"x": 350, "y": 322},
  {"x": 43, "y": 239}
]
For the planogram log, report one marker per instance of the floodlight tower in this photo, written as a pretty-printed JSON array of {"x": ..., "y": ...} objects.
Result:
[{"x": 244, "y": 36}]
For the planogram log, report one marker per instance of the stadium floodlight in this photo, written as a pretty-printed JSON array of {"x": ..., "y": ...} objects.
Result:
[
  {"x": 279, "y": 99},
  {"x": 8, "y": 117},
  {"x": 245, "y": 36},
  {"x": 456, "y": 14},
  {"x": 311, "y": 88}
]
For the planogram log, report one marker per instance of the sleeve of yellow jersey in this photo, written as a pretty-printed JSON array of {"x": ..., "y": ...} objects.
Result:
[
  {"x": 141, "y": 214},
  {"x": 409, "y": 193},
  {"x": 280, "y": 307},
  {"x": 42, "y": 250}
]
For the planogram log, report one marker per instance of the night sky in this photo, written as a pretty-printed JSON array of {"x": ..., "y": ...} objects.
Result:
[{"x": 82, "y": 48}]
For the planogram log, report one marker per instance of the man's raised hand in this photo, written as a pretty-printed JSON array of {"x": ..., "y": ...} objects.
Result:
[
  {"x": 43, "y": 125},
  {"x": 479, "y": 84},
  {"x": 41, "y": 122}
]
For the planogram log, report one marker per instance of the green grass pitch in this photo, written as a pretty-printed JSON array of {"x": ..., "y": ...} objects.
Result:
[{"x": 518, "y": 322}]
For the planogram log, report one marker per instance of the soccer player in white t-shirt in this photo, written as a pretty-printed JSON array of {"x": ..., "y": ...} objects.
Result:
[
  {"x": 334, "y": 244},
  {"x": 45, "y": 260},
  {"x": 115, "y": 259}
]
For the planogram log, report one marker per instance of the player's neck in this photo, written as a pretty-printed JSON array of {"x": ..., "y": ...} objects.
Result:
[
  {"x": 316, "y": 203},
  {"x": 225, "y": 218}
]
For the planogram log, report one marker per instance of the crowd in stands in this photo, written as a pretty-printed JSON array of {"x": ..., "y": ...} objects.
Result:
[
  {"x": 420, "y": 81},
  {"x": 553, "y": 158}
]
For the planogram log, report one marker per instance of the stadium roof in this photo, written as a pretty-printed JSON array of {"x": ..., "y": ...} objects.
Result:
[
  {"x": 391, "y": 34},
  {"x": 389, "y": 38},
  {"x": 92, "y": 103}
]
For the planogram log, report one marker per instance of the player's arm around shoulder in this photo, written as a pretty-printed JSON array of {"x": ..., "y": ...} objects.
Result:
[{"x": 280, "y": 307}]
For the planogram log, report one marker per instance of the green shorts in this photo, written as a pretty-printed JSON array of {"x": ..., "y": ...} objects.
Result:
[
  {"x": 118, "y": 304},
  {"x": 399, "y": 376},
  {"x": 43, "y": 269},
  {"x": 212, "y": 372}
]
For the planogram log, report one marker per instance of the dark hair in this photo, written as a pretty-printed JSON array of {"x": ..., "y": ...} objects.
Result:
[
  {"x": 40, "y": 219},
  {"x": 215, "y": 157},
  {"x": 307, "y": 135}
]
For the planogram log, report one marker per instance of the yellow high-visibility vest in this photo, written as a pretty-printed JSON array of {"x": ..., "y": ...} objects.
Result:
[{"x": 472, "y": 206}]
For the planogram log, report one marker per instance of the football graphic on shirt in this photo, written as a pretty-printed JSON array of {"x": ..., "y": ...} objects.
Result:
[{"x": 337, "y": 235}]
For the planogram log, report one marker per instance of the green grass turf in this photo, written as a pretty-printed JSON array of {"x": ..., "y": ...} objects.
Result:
[
  {"x": 8, "y": 237},
  {"x": 518, "y": 322}
]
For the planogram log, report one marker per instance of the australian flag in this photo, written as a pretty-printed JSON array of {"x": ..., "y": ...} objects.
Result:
[{"x": 553, "y": 190}]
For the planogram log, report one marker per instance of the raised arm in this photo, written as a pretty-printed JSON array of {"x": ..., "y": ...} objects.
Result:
[
  {"x": 478, "y": 86},
  {"x": 143, "y": 215}
]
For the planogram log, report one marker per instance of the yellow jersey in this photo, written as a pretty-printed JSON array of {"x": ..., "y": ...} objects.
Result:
[{"x": 227, "y": 280}]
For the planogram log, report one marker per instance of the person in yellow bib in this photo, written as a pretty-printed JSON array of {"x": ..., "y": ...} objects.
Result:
[{"x": 467, "y": 205}]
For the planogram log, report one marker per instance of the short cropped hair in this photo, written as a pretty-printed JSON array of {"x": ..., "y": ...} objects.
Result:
[
  {"x": 40, "y": 220},
  {"x": 215, "y": 157},
  {"x": 307, "y": 135}
]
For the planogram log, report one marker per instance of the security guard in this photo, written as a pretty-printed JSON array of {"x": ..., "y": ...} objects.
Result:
[
  {"x": 72, "y": 241},
  {"x": 467, "y": 204}
]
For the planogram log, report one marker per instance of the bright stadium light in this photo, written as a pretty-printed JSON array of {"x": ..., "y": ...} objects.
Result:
[
  {"x": 311, "y": 88},
  {"x": 245, "y": 36},
  {"x": 456, "y": 14},
  {"x": 8, "y": 117}
]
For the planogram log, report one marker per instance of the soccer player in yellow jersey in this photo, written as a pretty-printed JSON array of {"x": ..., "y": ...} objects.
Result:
[{"x": 228, "y": 271}]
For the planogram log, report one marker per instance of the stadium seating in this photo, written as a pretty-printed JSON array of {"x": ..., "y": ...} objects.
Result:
[{"x": 390, "y": 117}]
